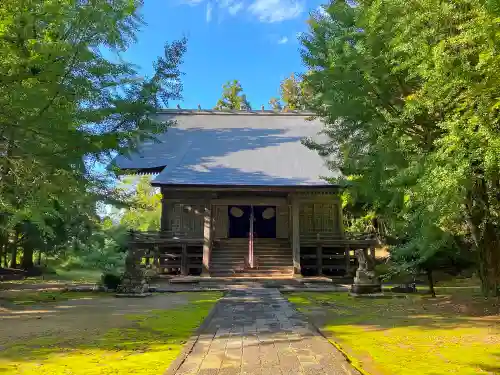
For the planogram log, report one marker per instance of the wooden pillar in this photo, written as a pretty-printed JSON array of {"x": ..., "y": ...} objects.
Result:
[
  {"x": 184, "y": 260},
  {"x": 156, "y": 258},
  {"x": 347, "y": 259},
  {"x": 164, "y": 215},
  {"x": 319, "y": 259},
  {"x": 319, "y": 255},
  {"x": 296, "y": 234},
  {"x": 207, "y": 240}
]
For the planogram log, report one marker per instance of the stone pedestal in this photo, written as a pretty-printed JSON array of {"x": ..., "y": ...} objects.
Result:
[
  {"x": 133, "y": 283},
  {"x": 365, "y": 282}
]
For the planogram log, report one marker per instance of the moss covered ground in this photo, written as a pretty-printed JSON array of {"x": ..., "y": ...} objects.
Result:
[
  {"x": 455, "y": 333},
  {"x": 107, "y": 336}
]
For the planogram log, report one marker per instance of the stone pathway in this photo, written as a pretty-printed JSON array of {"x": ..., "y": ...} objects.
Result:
[{"x": 258, "y": 332}]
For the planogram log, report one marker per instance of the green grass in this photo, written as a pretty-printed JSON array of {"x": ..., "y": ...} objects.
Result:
[
  {"x": 454, "y": 334},
  {"x": 146, "y": 345}
]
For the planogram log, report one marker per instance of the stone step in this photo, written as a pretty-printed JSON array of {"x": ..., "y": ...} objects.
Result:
[
  {"x": 255, "y": 250},
  {"x": 256, "y": 243},
  {"x": 242, "y": 258},
  {"x": 259, "y": 260},
  {"x": 232, "y": 266},
  {"x": 260, "y": 256},
  {"x": 252, "y": 274},
  {"x": 236, "y": 254},
  {"x": 283, "y": 250},
  {"x": 241, "y": 263},
  {"x": 239, "y": 266},
  {"x": 287, "y": 271}
]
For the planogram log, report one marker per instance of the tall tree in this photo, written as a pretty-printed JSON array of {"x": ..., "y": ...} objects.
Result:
[
  {"x": 410, "y": 105},
  {"x": 275, "y": 104},
  {"x": 291, "y": 93},
  {"x": 66, "y": 107},
  {"x": 232, "y": 97},
  {"x": 144, "y": 211},
  {"x": 294, "y": 94}
]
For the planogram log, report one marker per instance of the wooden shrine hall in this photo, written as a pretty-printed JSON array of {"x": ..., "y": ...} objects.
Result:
[{"x": 242, "y": 196}]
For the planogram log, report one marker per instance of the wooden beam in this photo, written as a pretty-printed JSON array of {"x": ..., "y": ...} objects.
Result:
[
  {"x": 296, "y": 234},
  {"x": 249, "y": 201},
  {"x": 207, "y": 240},
  {"x": 185, "y": 188},
  {"x": 334, "y": 198}
]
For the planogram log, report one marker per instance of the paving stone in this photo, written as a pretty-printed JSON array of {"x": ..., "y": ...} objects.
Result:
[{"x": 256, "y": 331}]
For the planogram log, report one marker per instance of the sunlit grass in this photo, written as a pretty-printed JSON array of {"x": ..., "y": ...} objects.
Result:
[
  {"x": 147, "y": 345},
  {"x": 412, "y": 336}
]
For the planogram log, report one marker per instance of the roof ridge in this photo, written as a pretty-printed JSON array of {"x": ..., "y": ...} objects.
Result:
[{"x": 268, "y": 112}]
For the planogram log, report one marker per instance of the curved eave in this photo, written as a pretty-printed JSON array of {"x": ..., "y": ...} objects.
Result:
[
  {"x": 186, "y": 187},
  {"x": 142, "y": 171}
]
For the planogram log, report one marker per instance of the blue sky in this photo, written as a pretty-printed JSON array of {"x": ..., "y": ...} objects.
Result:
[{"x": 254, "y": 41}]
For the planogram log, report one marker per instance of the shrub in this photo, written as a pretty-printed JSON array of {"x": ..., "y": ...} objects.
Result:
[{"x": 110, "y": 280}]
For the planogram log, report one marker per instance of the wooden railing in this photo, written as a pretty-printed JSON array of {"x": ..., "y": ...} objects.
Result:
[
  {"x": 171, "y": 252},
  {"x": 328, "y": 253},
  {"x": 181, "y": 253}
]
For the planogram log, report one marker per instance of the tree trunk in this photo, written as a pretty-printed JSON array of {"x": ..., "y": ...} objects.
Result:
[
  {"x": 3, "y": 249},
  {"x": 489, "y": 261},
  {"x": 430, "y": 279},
  {"x": 13, "y": 255},
  {"x": 485, "y": 236},
  {"x": 27, "y": 261}
]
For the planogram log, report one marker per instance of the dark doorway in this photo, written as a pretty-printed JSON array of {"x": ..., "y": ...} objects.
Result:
[
  {"x": 265, "y": 221},
  {"x": 239, "y": 221}
]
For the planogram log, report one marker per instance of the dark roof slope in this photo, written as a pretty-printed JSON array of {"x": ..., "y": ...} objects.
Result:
[{"x": 232, "y": 148}]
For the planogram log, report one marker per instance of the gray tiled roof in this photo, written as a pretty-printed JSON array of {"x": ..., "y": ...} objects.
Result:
[{"x": 233, "y": 148}]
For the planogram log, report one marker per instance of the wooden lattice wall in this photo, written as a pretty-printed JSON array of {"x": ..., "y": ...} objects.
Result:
[
  {"x": 185, "y": 218},
  {"x": 321, "y": 217}
]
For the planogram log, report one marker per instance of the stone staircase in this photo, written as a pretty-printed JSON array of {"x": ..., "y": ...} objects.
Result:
[{"x": 273, "y": 258}]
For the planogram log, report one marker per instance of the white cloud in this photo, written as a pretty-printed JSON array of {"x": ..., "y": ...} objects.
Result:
[
  {"x": 209, "y": 12},
  {"x": 265, "y": 10},
  {"x": 276, "y": 10},
  {"x": 235, "y": 8},
  {"x": 192, "y": 2},
  {"x": 283, "y": 40}
]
